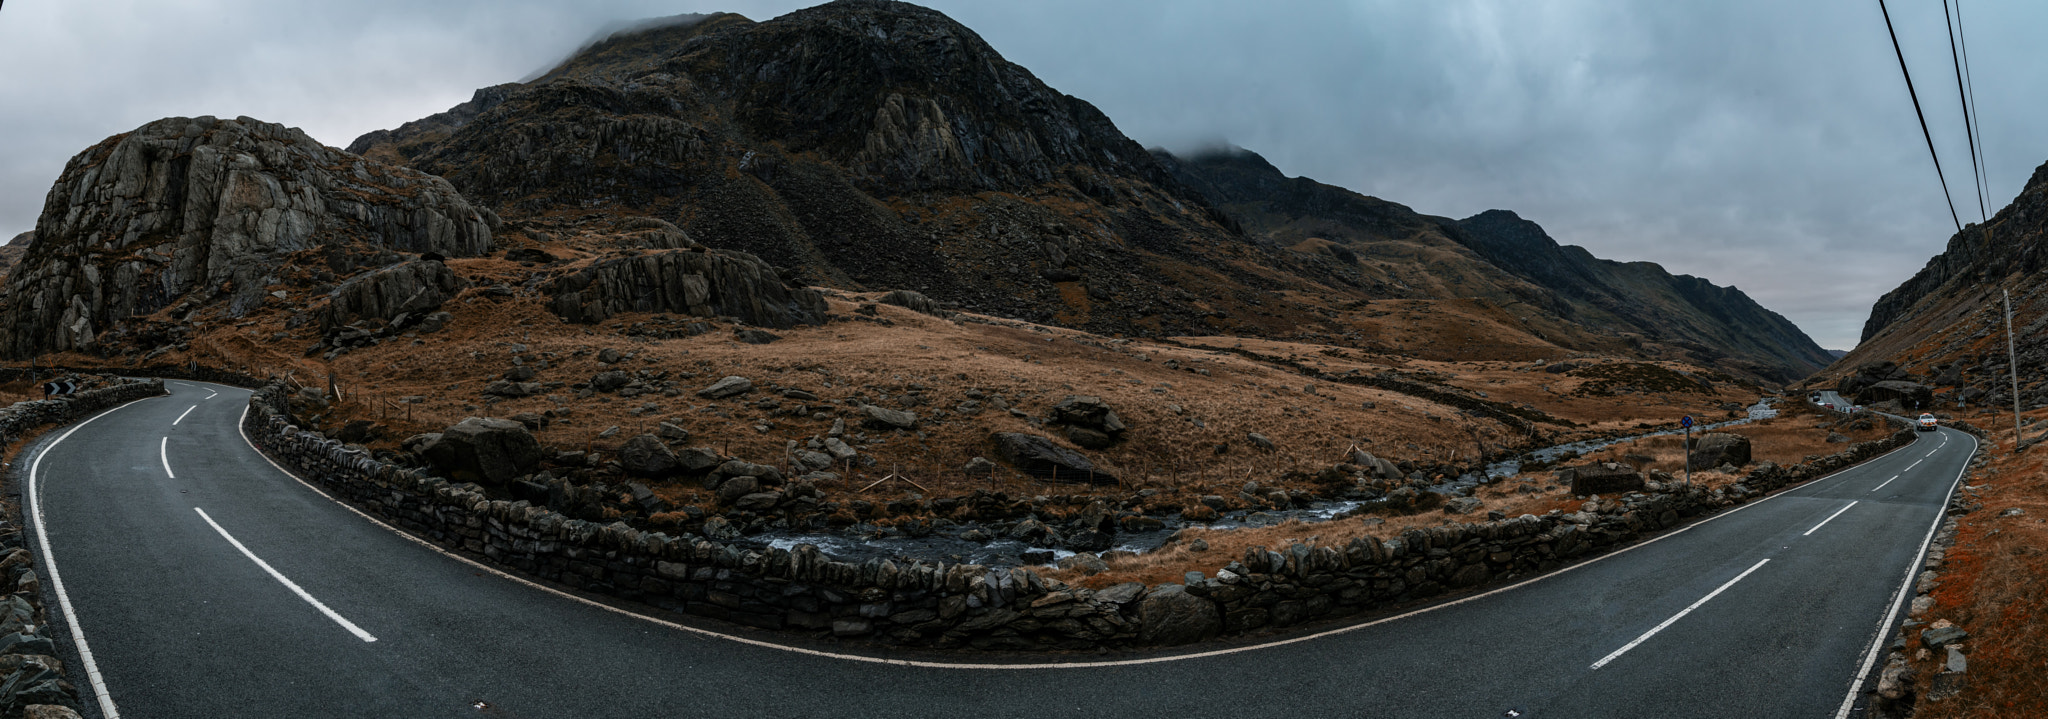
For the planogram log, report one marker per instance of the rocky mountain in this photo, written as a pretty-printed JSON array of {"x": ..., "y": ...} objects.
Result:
[
  {"x": 865, "y": 145},
  {"x": 1562, "y": 290},
  {"x": 1947, "y": 323},
  {"x": 203, "y": 209}
]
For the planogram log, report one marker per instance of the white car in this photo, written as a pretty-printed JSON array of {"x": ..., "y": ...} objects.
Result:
[{"x": 1928, "y": 422}]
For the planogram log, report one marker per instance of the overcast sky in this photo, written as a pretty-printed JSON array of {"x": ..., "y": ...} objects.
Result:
[{"x": 1759, "y": 143}]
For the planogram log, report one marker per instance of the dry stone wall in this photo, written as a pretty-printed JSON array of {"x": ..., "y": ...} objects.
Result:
[{"x": 953, "y": 605}]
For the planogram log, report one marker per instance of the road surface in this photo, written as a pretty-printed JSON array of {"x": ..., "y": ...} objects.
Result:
[{"x": 207, "y": 583}]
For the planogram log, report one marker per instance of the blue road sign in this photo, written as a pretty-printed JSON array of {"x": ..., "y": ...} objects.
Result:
[{"x": 1685, "y": 421}]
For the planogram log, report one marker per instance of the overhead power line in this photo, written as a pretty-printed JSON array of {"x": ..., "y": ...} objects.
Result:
[
  {"x": 1955, "y": 58},
  {"x": 1923, "y": 117},
  {"x": 1976, "y": 118}
]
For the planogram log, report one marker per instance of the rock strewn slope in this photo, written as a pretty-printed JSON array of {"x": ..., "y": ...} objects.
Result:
[{"x": 208, "y": 208}]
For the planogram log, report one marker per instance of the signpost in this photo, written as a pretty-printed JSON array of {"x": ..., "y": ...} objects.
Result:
[{"x": 1686, "y": 422}]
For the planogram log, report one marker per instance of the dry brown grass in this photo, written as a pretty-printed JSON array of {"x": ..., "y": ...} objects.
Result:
[
  {"x": 1178, "y": 416},
  {"x": 1790, "y": 438},
  {"x": 1785, "y": 440},
  {"x": 1994, "y": 584}
]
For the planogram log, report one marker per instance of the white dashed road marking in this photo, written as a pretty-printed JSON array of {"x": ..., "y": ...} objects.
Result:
[{"x": 274, "y": 574}]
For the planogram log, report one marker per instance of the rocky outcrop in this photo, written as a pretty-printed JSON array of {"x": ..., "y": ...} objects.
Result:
[
  {"x": 719, "y": 283},
  {"x": 1871, "y": 373},
  {"x": 1909, "y": 395},
  {"x": 206, "y": 209},
  {"x": 411, "y": 288}
]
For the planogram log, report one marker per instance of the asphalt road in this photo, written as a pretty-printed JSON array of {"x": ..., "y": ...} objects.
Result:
[{"x": 1769, "y": 610}]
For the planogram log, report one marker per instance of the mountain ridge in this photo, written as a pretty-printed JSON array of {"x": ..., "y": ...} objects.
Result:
[
  {"x": 870, "y": 144},
  {"x": 1522, "y": 263}
]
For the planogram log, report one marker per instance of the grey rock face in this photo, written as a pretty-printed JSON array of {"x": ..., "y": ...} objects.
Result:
[
  {"x": 1169, "y": 615},
  {"x": 208, "y": 208},
  {"x": 409, "y": 288},
  {"x": 1039, "y": 457},
  {"x": 485, "y": 450},
  {"x": 718, "y": 283}
]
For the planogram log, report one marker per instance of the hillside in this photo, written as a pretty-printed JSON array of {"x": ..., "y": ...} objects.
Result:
[
  {"x": 1946, "y": 322},
  {"x": 1562, "y": 291}
]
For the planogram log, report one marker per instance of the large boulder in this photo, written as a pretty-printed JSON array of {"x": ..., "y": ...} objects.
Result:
[
  {"x": 1039, "y": 457},
  {"x": 1602, "y": 478},
  {"x": 646, "y": 456},
  {"x": 1911, "y": 395},
  {"x": 715, "y": 283},
  {"x": 410, "y": 289},
  {"x": 206, "y": 209},
  {"x": 1714, "y": 449},
  {"x": 1090, "y": 412},
  {"x": 485, "y": 450},
  {"x": 885, "y": 418},
  {"x": 1169, "y": 615}
]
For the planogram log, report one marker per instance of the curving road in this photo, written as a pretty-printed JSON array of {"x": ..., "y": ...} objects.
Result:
[{"x": 208, "y": 583}]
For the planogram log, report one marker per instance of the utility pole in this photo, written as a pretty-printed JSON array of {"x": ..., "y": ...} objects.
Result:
[{"x": 2012, "y": 366}]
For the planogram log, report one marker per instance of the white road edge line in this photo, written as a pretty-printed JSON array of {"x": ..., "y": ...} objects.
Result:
[
  {"x": 1675, "y": 617},
  {"x": 239, "y": 424},
  {"x": 1831, "y": 518},
  {"x": 181, "y": 415},
  {"x": 163, "y": 450},
  {"x": 274, "y": 574},
  {"x": 1881, "y": 485},
  {"x": 1905, "y": 583},
  {"x": 35, "y": 512}
]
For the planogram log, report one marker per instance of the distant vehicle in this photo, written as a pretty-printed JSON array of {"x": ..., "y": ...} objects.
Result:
[
  {"x": 1927, "y": 422},
  {"x": 1829, "y": 405}
]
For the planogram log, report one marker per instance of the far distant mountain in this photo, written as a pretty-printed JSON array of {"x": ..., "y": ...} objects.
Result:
[
  {"x": 1500, "y": 256},
  {"x": 1838, "y": 354}
]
